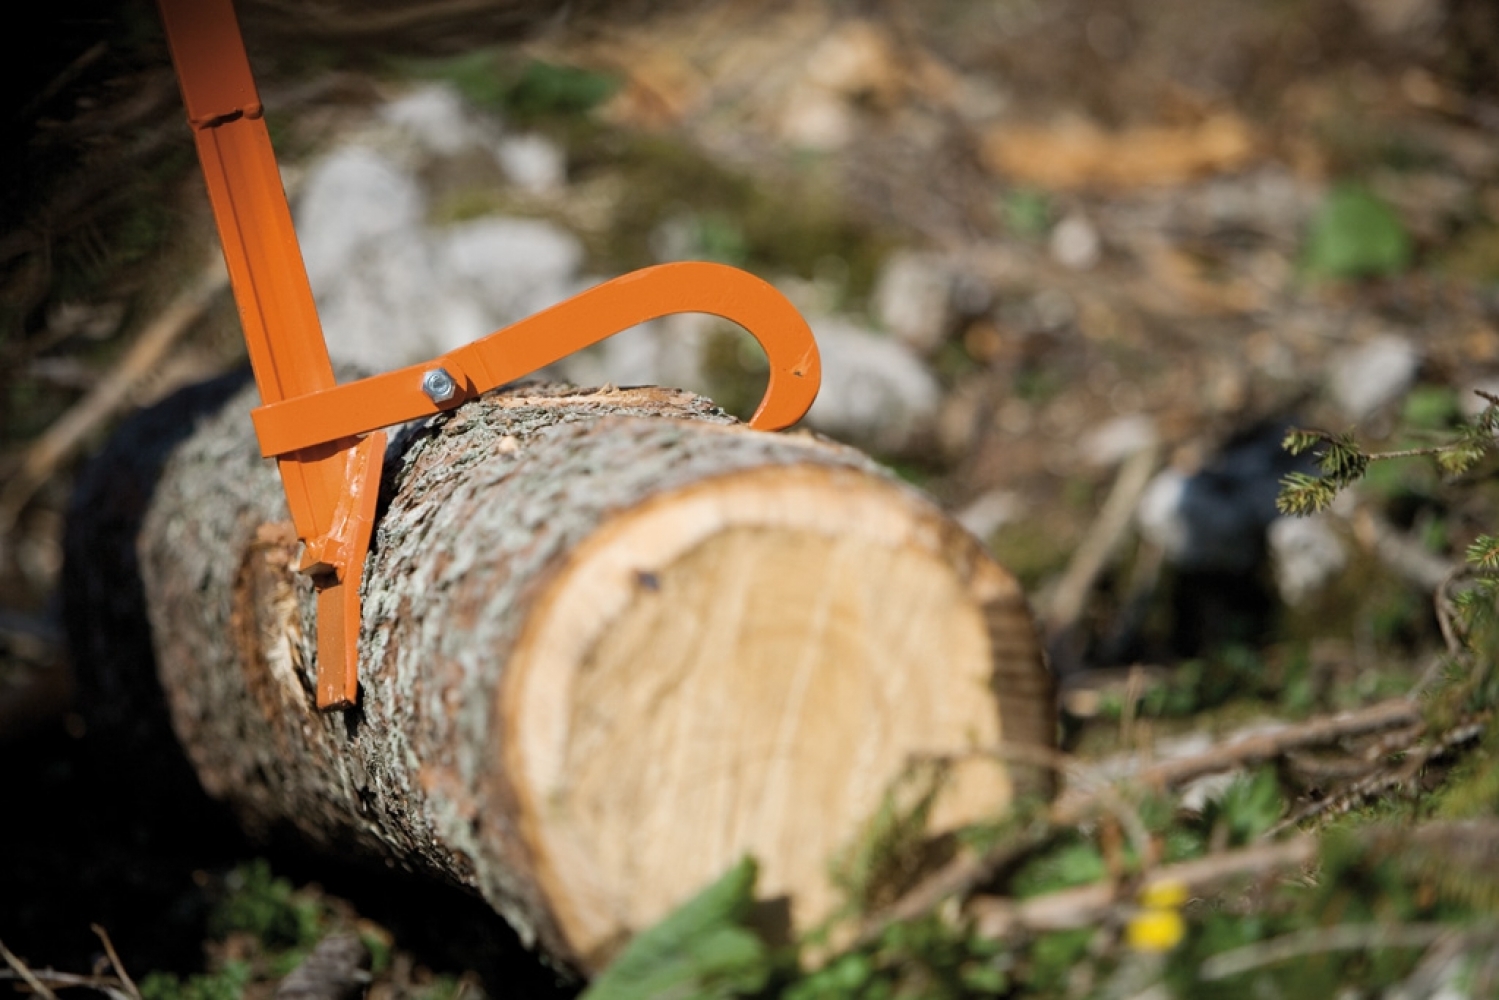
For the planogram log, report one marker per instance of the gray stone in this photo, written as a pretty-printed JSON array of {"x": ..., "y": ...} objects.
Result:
[
  {"x": 913, "y": 299},
  {"x": 1075, "y": 243},
  {"x": 532, "y": 162},
  {"x": 349, "y": 198},
  {"x": 1367, "y": 377},
  {"x": 876, "y": 392},
  {"x": 1306, "y": 554},
  {"x": 510, "y": 267},
  {"x": 1117, "y": 439},
  {"x": 436, "y": 118}
]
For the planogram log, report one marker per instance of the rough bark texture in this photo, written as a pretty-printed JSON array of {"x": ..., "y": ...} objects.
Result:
[{"x": 485, "y": 513}]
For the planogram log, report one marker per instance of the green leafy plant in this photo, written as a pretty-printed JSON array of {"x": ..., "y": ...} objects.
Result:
[
  {"x": 488, "y": 79},
  {"x": 704, "y": 949},
  {"x": 227, "y": 983},
  {"x": 1356, "y": 235},
  {"x": 893, "y": 847},
  {"x": 1342, "y": 462},
  {"x": 267, "y": 907}
]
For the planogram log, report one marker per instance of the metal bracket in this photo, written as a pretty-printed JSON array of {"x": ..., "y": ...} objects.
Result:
[{"x": 326, "y": 437}]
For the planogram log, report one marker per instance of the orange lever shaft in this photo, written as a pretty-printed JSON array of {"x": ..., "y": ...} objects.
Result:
[
  {"x": 326, "y": 436},
  {"x": 328, "y": 481},
  {"x": 270, "y": 284}
]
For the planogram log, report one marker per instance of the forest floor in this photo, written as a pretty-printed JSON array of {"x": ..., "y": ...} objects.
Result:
[{"x": 1108, "y": 252}]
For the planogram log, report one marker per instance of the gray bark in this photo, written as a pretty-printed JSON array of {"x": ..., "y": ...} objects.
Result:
[
  {"x": 479, "y": 504},
  {"x": 478, "y": 508}
]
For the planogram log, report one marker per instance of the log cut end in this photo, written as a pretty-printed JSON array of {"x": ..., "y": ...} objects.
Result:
[{"x": 746, "y": 665}]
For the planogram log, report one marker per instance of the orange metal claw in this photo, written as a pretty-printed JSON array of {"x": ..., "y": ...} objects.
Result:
[
  {"x": 326, "y": 437},
  {"x": 537, "y": 341}
]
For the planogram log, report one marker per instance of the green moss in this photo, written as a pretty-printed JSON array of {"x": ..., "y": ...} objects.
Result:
[
  {"x": 228, "y": 983},
  {"x": 495, "y": 80},
  {"x": 267, "y": 907},
  {"x": 794, "y": 223},
  {"x": 1430, "y": 408},
  {"x": 469, "y": 203},
  {"x": 1073, "y": 862},
  {"x": 1027, "y": 213}
]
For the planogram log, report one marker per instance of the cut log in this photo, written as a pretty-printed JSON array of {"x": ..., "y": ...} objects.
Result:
[{"x": 611, "y": 642}]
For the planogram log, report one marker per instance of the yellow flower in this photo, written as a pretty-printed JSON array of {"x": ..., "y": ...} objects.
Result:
[
  {"x": 1159, "y": 925},
  {"x": 1164, "y": 894},
  {"x": 1155, "y": 930}
]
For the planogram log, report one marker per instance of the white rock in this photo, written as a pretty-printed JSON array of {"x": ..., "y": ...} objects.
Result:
[
  {"x": 380, "y": 309},
  {"x": 990, "y": 512},
  {"x": 668, "y": 351},
  {"x": 349, "y": 198},
  {"x": 436, "y": 118},
  {"x": 393, "y": 291},
  {"x": 817, "y": 119},
  {"x": 1052, "y": 309},
  {"x": 1368, "y": 376},
  {"x": 913, "y": 299},
  {"x": 1470, "y": 402},
  {"x": 532, "y": 162},
  {"x": 1306, "y": 554},
  {"x": 876, "y": 392},
  {"x": 1075, "y": 243},
  {"x": 511, "y": 267},
  {"x": 1117, "y": 439},
  {"x": 1156, "y": 513}
]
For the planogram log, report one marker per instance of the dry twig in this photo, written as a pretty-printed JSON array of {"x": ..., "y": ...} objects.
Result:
[
  {"x": 115, "y": 963},
  {"x": 1343, "y": 937},
  {"x": 108, "y": 985},
  {"x": 1103, "y": 537},
  {"x": 26, "y": 975},
  {"x": 1249, "y": 750},
  {"x": 60, "y": 440},
  {"x": 1082, "y": 906},
  {"x": 963, "y": 875},
  {"x": 1376, "y": 784}
]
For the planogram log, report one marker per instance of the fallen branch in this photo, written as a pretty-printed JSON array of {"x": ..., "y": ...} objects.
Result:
[
  {"x": 1092, "y": 556},
  {"x": 1344, "y": 937},
  {"x": 25, "y": 975},
  {"x": 115, "y": 963},
  {"x": 960, "y": 877},
  {"x": 963, "y": 874},
  {"x": 108, "y": 985},
  {"x": 1402, "y": 553},
  {"x": 1082, "y": 906},
  {"x": 104, "y": 400},
  {"x": 1072, "y": 806},
  {"x": 1372, "y": 785}
]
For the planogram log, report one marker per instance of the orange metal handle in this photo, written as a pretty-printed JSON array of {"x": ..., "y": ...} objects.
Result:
[{"x": 524, "y": 347}]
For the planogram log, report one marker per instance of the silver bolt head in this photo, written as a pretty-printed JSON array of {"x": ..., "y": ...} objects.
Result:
[{"x": 439, "y": 385}]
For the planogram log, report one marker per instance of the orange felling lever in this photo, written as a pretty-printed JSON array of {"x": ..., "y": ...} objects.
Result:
[{"x": 326, "y": 437}]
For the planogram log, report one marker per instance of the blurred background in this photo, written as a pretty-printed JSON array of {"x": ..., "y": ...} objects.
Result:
[{"x": 1075, "y": 266}]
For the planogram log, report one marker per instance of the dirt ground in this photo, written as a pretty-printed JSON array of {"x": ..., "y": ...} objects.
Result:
[{"x": 1140, "y": 239}]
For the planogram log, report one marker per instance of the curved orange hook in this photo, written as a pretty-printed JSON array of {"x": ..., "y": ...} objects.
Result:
[{"x": 522, "y": 348}]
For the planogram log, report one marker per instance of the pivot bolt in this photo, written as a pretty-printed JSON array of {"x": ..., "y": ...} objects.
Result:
[{"x": 439, "y": 385}]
